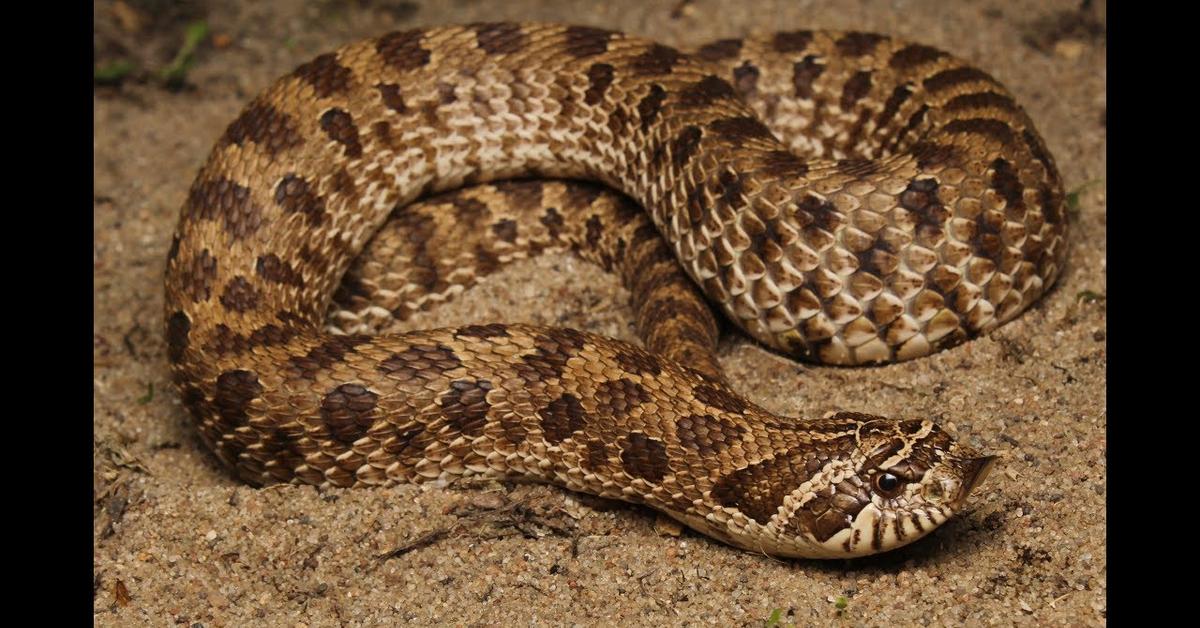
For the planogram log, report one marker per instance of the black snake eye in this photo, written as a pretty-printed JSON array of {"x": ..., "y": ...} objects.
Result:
[{"x": 887, "y": 484}]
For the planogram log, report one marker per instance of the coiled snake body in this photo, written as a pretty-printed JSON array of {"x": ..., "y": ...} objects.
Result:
[{"x": 912, "y": 206}]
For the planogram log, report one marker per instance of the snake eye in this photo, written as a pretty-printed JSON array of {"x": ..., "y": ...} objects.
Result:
[{"x": 888, "y": 484}]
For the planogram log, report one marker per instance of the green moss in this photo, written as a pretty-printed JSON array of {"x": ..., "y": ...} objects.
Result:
[
  {"x": 112, "y": 72},
  {"x": 175, "y": 73}
]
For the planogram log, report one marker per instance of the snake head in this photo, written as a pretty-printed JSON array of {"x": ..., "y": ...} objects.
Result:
[
  {"x": 865, "y": 485},
  {"x": 910, "y": 476}
]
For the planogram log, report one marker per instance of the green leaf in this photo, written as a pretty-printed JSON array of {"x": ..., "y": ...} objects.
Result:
[
  {"x": 175, "y": 73},
  {"x": 149, "y": 394},
  {"x": 113, "y": 72},
  {"x": 1073, "y": 196},
  {"x": 841, "y": 603},
  {"x": 773, "y": 620}
]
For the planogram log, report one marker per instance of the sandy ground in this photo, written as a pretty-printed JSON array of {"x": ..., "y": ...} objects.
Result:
[{"x": 179, "y": 542}]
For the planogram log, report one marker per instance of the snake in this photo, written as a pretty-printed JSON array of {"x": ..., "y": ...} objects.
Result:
[{"x": 844, "y": 198}]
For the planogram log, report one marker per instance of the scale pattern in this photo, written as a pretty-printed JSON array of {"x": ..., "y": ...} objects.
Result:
[{"x": 913, "y": 206}]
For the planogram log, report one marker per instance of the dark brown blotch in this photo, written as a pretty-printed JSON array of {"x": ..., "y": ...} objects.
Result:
[
  {"x": 707, "y": 434},
  {"x": 720, "y": 50},
  {"x": 949, "y": 79},
  {"x": 553, "y": 348},
  {"x": 225, "y": 200},
  {"x": 759, "y": 489},
  {"x": 224, "y": 341},
  {"x": 858, "y": 44},
  {"x": 782, "y": 163},
  {"x": 745, "y": 79},
  {"x": 1051, "y": 198},
  {"x": 684, "y": 146},
  {"x": 855, "y": 89},
  {"x": 586, "y": 41},
  {"x": 491, "y": 330},
  {"x": 447, "y": 93},
  {"x": 342, "y": 184},
  {"x": 465, "y": 406},
  {"x": 813, "y": 210},
  {"x": 340, "y": 127},
  {"x": 500, "y": 37},
  {"x": 295, "y": 195},
  {"x": 595, "y": 459},
  {"x": 179, "y": 326},
  {"x": 644, "y": 457},
  {"x": 638, "y": 362},
  {"x": 381, "y": 130},
  {"x": 486, "y": 260},
  {"x": 794, "y": 41},
  {"x": 706, "y": 91},
  {"x": 423, "y": 269},
  {"x": 271, "y": 335},
  {"x": 234, "y": 392},
  {"x": 658, "y": 59},
  {"x": 1008, "y": 184},
  {"x": 981, "y": 100},
  {"x": 466, "y": 207},
  {"x": 198, "y": 280},
  {"x": 593, "y": 231},
  {"x": 827, "y": 514},
  {"x": 349, "y": 412},
  {"x": 920, "y": 197},
  {"x": 561, "y": 418},
  {"x": 719, "y": 397},
  {"x": 914, "y": 55},
  {"x": 649, "y": 106},
  {"x": 526, "y": 193},
  {"x": 506, "y": 230},
  {"x": 994, "y": 130},
  {"x": 600, "y": 76},
  {"x": 392, "y": 98},
  {"x": 265, "y": 126},
  {"x": 617, "y": 398},
  {"x": 332, "y": 350},
  {"x": 402, "y": 50},
  {"x": 240, "y": 295},
  {"x": 582, "y": 194},
  {"x": 325, "y": 74},
  {"x": 804, "y": 73},
  {"x": 421, "y": 361},
  {"x": 275, "y": 270},
  {"x": 731, "y": 189},
  {"x": 1038, "y": 148},
  {"x": 741, "y": 129},
  {"x": 899, "y": 95},
  {"x": 914, "y": 121}
]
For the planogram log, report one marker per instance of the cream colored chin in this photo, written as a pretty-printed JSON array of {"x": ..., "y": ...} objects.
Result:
[{"x": 873, "y": 532}]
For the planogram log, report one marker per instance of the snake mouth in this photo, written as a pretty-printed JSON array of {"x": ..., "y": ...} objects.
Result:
[{"x": 975, "y": 471}]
